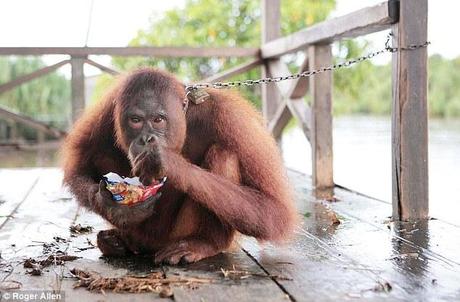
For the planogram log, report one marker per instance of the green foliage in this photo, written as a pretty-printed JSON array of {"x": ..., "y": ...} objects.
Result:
[
  {"x": 299, "y": 14},
  {"x": 366, "y": 88},
  {"x": 46, "y": 99},
  {"x": 443, "y": 88},
  {"x": 214, "y": 23},
  {"x": 103, "y": 83},
  {"x": 363, "y": 88}
]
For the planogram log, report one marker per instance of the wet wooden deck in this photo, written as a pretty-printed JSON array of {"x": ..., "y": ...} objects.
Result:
[{"x": 365, "y": 257}]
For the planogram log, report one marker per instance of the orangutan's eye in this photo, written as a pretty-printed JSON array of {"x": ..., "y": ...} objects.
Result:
[
  {"x": 158, "y": 119},
  {"x": 135, "y": 122}
]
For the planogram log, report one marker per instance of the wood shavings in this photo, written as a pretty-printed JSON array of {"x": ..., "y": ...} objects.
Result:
[{"x": 155, "y": 282}]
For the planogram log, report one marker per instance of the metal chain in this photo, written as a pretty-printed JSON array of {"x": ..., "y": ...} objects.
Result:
[{"x": 224, "y": 85}]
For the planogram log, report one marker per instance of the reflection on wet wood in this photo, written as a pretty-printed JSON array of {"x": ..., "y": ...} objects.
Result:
[
  {"x": 343, "y": 250},
  {"x": 12, "y": 195}
]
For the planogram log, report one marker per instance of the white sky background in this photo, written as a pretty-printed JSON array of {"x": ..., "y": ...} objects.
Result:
[{"x": 115, "y": 23}]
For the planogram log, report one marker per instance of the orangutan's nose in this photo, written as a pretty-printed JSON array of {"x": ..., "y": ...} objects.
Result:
[{"x": 146, "y": 139}]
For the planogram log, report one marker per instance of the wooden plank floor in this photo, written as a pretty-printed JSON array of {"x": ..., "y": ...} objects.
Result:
[{"x": 364, "y": 258}]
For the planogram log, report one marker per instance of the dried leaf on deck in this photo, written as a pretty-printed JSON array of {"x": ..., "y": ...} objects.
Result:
[
  {"x": 323, "y": 212},
  {"x": 10, "y": 284},
  {"x": 155, "y": 282},
  {"x": 384, "y": 286},
  {"x": 78, "y": 229},
  {"x": 36, "y": 266}
]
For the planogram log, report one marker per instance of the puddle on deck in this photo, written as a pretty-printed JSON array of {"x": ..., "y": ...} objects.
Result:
[{"x": 325, "y": 261}]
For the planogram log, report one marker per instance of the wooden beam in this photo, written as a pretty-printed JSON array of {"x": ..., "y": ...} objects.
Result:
[
  {"x": 321, "y": 118},
  {"x": 78, "y": 87},
  {"x": 295, "y": 107},
  {"x": 278, "y": 68},
  {"x": 102, "y": 67},
  {"x": 410, "y": 117},
  {"x": 280, "y": 119},
  {"x": 13, "y": 133},
  {"x": 242, "y": 68},
  {"x": 29, "y": 77},
  {"x": 358, "y": 23},
  {"x": 178, "y": 52},
  {"x": 286, "y": 110},
  {"x": 302, "y": 113},
  {"x": 291, "y": 89},
  {"x": 295, "y": 92},
  {"x": 300, "y": 86},
  {"x": 40, "y": 126},
  {"x": 271, "y": 29}
]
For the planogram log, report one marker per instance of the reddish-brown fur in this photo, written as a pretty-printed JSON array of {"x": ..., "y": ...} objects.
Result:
[{"x": 225, "y": 174}]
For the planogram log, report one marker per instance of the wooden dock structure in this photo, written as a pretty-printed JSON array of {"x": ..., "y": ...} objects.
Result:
[
  {"x": 285, "y": 100},
  {"x": 365, "y": 257}
]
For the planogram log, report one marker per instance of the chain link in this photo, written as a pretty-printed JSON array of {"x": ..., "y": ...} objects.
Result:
[{"x": 305, "y": 74}]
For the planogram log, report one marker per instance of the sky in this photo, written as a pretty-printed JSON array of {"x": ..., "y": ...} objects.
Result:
[
  {"x": 443, "y": 22},
  {"x": 115, "y": 23}
]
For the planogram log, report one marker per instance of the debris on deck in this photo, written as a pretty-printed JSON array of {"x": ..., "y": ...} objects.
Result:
[
  {"x": 78, "y": 229},
  {"x": 36, "y": 266},
  {"x": 235, "y": 274},
  {"x": 155, "y": 282},
  {"x": 47, "y": 243}
]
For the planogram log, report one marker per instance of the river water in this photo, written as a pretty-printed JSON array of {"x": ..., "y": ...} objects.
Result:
[{"x": 362, "y": 159}]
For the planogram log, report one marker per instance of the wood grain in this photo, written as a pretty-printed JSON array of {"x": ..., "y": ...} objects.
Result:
[
  {"x": 102, "y": 67},
  {"x": 296, "y": 107},
  {"x": 358, "y": 23},
  {"x": 147, "y": 51},
  {"x": 78, "y": 86},
  {"x": 271, "y": 29},
  {"x": 325, "y": 261},
  {"x": 321, "y": 118},
  {"x": 410, "y": 115},
  {"x": 239, "y": 69}
]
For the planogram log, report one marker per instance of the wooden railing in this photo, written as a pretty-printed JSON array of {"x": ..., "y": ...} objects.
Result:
[{"x": 285, "y": 100}]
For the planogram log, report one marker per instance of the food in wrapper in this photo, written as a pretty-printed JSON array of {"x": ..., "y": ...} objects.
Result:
[{"x": 129, "y": 191}]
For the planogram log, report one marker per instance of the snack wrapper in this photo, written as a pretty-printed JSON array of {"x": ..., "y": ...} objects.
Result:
[{"x": 130, "y": 191}]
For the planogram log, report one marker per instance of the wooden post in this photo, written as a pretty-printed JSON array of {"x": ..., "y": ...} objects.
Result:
[
  {"x": 3, "y": 131},
  {"x": 271, "y": 29},
  {"x": 78, "y": 86},
  {"x": 13, "y": 131},
  {"x": 321, "y": 118},
  {"x": 409, "y": 117},
  {"x": 40, "y": 137}
]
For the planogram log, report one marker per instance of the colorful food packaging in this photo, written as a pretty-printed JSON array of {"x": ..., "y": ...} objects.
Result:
[{"x": 130, "y": 191}]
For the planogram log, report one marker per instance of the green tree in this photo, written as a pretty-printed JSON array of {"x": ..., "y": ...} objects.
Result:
[
  {"x": 366, "y": 88},
  {"x": 217, "y": 23},
  {"x": 363, "y": 88},
  {"x": 443, "y": 88},
  {"x": 46, "y": 99}
]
